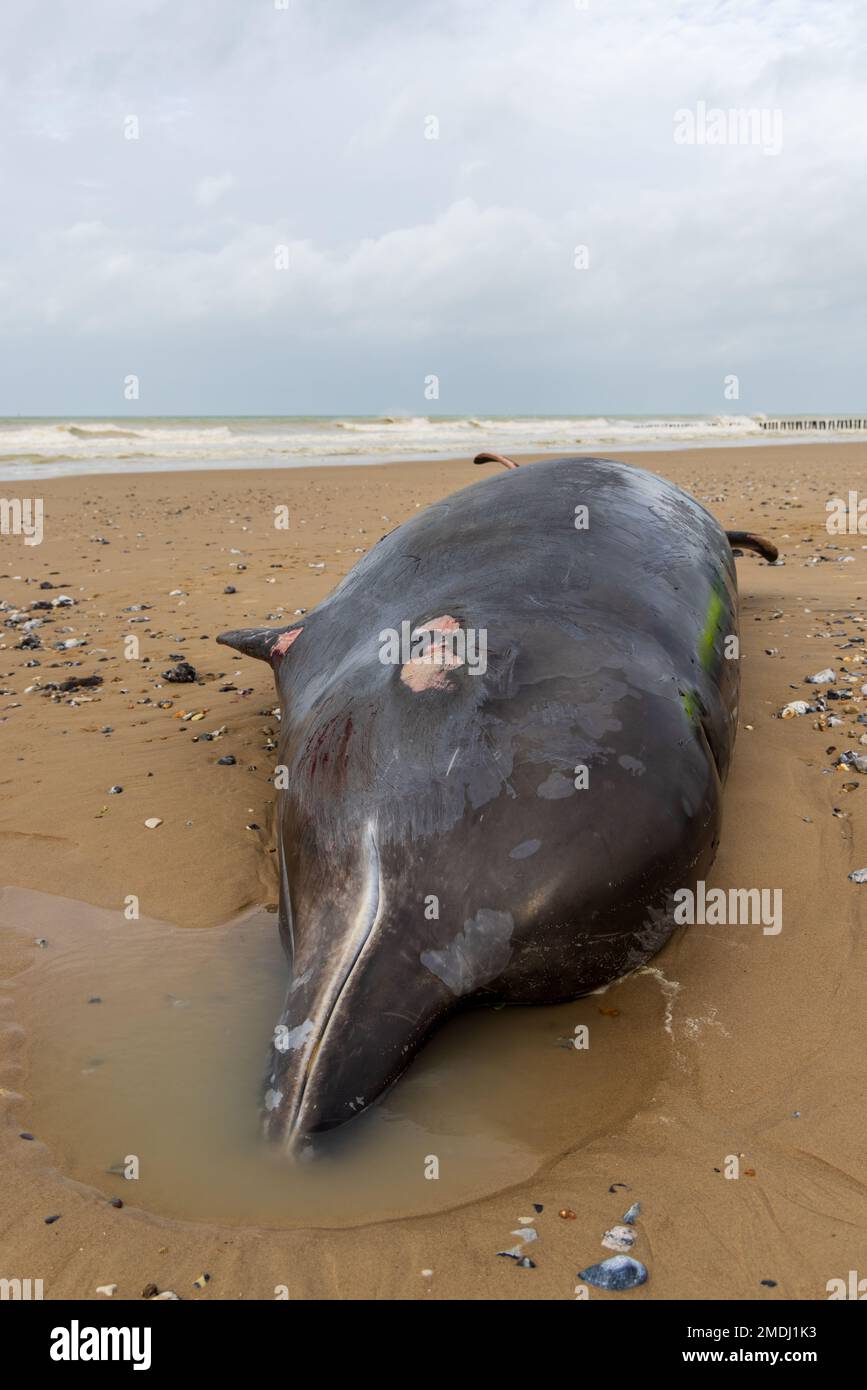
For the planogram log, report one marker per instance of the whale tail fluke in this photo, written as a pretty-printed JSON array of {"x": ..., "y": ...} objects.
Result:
[{"x": 745, "y": 540}]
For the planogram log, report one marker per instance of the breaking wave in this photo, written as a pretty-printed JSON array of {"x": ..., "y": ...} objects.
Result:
[{"x": 33, "y": 447}]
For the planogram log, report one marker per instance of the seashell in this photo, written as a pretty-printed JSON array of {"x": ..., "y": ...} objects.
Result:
[
  {"x": 619, "y": 1238},
  {"x": 619, "y": 1273}
]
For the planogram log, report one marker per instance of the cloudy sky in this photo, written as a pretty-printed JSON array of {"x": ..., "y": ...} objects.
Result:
[{"x": 263, "y": 125}]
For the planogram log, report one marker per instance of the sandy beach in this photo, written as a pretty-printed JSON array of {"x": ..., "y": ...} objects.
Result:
[{"x": 747, "y": 1045}]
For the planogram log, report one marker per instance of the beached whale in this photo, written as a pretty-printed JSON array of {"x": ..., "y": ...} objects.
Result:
[{"x": 503, "y": 743}]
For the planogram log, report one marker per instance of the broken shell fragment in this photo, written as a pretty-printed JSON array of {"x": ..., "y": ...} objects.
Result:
[
  {"x": 795, "y": 707},
  {"x": 619, "y": 1238},
  {"x": 619, "y": 1273}
]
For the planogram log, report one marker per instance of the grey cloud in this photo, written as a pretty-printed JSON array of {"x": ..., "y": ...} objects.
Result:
[{"x": 305, "y": 128}]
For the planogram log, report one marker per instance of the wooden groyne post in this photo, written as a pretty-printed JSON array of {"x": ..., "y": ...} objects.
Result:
[{"x": 785, "y": 424}]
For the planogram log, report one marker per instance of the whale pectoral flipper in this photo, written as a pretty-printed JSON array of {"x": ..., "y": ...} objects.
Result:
[
  {"x": 264, "y": 643},
  {"x": 747, "y": 541},
  {"x": 495, "y": 458}
]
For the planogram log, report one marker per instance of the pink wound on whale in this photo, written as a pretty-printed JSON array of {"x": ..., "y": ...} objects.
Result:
[
  {"x": 429, "y": 670},
  {"x": 284, "y": 642}
]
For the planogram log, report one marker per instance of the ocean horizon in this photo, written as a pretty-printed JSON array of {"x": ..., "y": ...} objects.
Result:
[{"x": 57, "y": 446}]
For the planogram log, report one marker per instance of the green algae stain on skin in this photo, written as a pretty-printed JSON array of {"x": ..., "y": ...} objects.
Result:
[
  {"x": 712, "y": 625},
  {"x": 691, "y": 702},
  {"x": 708, "y": 647}
]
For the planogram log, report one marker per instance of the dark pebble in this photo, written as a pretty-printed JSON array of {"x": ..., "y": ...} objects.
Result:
[
  {"x": 94, "y": 999},
  {"x": 182, "y": 673},
  {"x": 25, "y": 1135},
  {"x": 50, "y": 1220},
  {"x": 115, "y": 1202},
  {"x": 228, "y": 761},
  {"x": 79, "y": 683},
  {"x": 115, "y": 791},
  {"x": 230, "y": 589},
  {"x": 149, "y": 1291},
  {"x": 769, "y": 1283}
]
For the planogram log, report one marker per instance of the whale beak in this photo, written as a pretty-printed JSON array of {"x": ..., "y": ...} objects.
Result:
[
  {"x": 343, "y": 1039},
  {"x": 357, "y": 1008}
]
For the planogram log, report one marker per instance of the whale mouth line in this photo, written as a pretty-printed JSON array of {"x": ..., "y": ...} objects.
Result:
[{"x": 368, "y": 920}]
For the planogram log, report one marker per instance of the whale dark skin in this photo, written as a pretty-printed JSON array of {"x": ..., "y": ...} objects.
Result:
[{"x": 455, "y": 831}]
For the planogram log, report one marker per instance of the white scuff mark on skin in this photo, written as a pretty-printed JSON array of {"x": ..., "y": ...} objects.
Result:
[
  {"x": 633, "y": 765},
  {"x": 670, "y": 990},
  {"x": 293, "y": 1038},
  {"x": 477, "y": 954},
  {"x": 273, "y": 1099},
  {"x": 555, "y": 787},
  {"x": 301, "y": 980},
  {"x": 452, "y": 763},
  {"x": 525, "y": 849}
]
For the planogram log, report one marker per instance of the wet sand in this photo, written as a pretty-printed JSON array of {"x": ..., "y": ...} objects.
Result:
[{"x": 746, "y": 1044}]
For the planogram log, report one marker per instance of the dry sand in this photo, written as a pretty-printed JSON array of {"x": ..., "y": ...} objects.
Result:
[{"x": 759, "y": 1049}]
